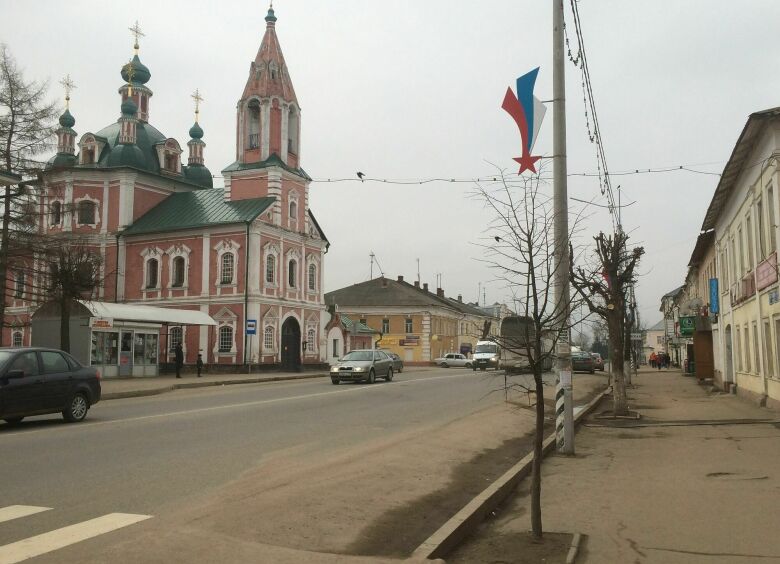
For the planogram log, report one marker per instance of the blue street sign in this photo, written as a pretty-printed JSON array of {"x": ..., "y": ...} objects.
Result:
[
  {"x": 714, "y": 296},
  {"x": 251, "y": 326}
]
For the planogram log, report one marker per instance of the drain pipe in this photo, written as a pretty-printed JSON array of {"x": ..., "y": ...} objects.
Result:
[{"x": 246, "y": 286}]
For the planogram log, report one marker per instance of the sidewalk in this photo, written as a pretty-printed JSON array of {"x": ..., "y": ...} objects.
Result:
[{"x": 697, "y": 479}]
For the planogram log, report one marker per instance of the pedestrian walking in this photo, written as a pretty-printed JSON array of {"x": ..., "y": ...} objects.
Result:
[
  {"x": 179, "y": 358},
  {"x": 199, "y": 364},
  {"x": 653, "y": 359}
]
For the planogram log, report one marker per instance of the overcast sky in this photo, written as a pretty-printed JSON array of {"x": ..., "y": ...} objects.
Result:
[{"x": 412, "y": 90}]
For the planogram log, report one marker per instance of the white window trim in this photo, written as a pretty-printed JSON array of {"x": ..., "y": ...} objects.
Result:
[
  {"x": 271, "y": 249},
  {"x": 312, "y": 259},
  {"x": 183, "y": 328},
  {"x": 21, "y": 336},
  {"x": 148, "y": 254},
  {"x": 292, "y": 254},
  {"x": 62, "y": 212},
  {"x": 223, "y": 247},
  {"x": 271, "y": 320},
  {"x": 98, "y": 213},
  {"x": 225, "y": 318},
  {"x": 293, "y": 198},
  {"x": 173, "y": 252}
]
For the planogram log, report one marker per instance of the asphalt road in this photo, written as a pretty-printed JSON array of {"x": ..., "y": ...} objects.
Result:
[{"x": 146, "y": 457}]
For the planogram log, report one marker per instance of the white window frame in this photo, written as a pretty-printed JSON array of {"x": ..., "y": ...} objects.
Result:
[
  {"x": 52, "y": 223},
  {"x": 223, "y": 247},
  {"x": 147, "y": 255},
  {"x": 174, "y": 252},
  {"x": 271, "y": 250},
  {"x": 77, "y": 209},
  {"x": 19, "y": 276},
  {"x": 224, "y": 318},
  {"x": 268, "y": 331},
  {"x": 14, "y": 335}
]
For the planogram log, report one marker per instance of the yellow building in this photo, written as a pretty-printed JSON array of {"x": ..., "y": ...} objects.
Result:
[{"x": 415, "y": 322}]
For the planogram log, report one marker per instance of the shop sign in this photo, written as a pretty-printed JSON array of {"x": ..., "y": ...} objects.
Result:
[
  {"x": 687, "y": 326},
  {"x": 409, "y": 341},
  {"x": 101, "y": 322}
]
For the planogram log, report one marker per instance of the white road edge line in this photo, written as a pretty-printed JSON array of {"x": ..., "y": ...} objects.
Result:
[
  {"x": 66, "y": 536},
  {"x": 16, "y": 511}
]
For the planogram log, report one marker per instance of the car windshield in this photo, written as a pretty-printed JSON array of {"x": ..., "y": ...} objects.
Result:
[
  {"x": 487, "y": 348},
  {"x": 358, "y": 355}
]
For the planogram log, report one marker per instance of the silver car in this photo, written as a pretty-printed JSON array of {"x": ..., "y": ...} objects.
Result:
[
  {"x": 362, "y": 366},
  {"x": 452, "y": 359}
]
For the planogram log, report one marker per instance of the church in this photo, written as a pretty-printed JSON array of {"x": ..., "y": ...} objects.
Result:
[{"x": 249, "y": 255}]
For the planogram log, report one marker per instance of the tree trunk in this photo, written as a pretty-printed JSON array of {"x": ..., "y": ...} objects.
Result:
[
  {"x": 65, "y": 324},
  {"x": 4, "y": 229},
  {"x": 536, "y": 467},
  {"x": 619, "y": 398}
]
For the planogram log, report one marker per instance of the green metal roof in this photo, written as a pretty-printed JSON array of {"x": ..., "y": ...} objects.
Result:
[
  {"x": 355, "y": 326},
  {"x": 273, "y": 160},
  {"x": 201, "y": 208}
]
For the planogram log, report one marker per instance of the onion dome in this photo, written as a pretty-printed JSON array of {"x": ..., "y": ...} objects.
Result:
[
  {"x": 66, "y": 119},
  {"x": 141, "y": 74},
  {"x": 196, "y": 132},
  {"x": 129, "y": 107},
  {"x": 270, "y": 17},
  {"x": 200, "y": 175}
]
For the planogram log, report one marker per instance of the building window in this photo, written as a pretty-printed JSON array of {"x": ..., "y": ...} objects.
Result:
[
  {"x": 86, "y": 212},
  {"x": 293, "y": 210},
  {"x": 152, "y": 273},
  {"x": 336, "y": 348},
  {"x": 292, "y": 266},
  {"x": 171, "y": 162},
  {"x": 310, "y": 336},
  {"x": 746, "y": 349},
  {"x": 385, "y": 326},
  {"x": 228, "y": 263},
  {"x": 270, "y": 269},
  {"x": 749, "y": 242},
  {"x": 768, "y": 355},
  {"x": 56, "y": 213},
  {"x": 178, "y": 272},
  {"x": 19, "y": 285},
  {"x": 312, "y": 277},
  {"x": 225, "y": 338},
  {"x": 17, "y": 339},
  {"x": 737, "y": 350},
  {"x": 659, "y": 340},
  {"x": 756, "y": 358},
  {"x": 174, "y": 338},
  {"x": 88, "y": 156},
  {"x": 268, "y": 338},
  {"x": 408, "y": 324}
]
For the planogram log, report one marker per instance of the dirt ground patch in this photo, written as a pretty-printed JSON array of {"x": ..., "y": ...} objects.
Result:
[{"x": 515, "y": 548}]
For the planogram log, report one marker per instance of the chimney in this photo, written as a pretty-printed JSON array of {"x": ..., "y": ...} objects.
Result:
[
  {"x": 425, "y": 286},
  {"x": 460, "y": 298},
  {"x": 416, "y": 283},
  {"x": 440, "y": 292},
  {"x": 400, "y": 278}
]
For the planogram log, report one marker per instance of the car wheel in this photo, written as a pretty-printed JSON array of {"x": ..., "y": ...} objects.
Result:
[
  {"x": 14, "y": 420},
  {"x": 371, "y": 377},
  {"x": 468, "y": 365},
  {"x": 445, "y": 365},
  {"x": 334, "y": 381},
  {"x": 77, "y": 409},
  {"x": 389, "y": 377}
]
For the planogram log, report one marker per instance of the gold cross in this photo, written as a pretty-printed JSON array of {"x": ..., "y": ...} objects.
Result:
[
  {"x": 198, "y": 99},
  {"x": 68, "y": 85},
  {"x": 136, "y": 31},
  {"x": 130, "y": 70}
]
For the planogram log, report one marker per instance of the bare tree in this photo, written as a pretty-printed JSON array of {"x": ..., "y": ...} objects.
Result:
[
  {"x": 521, "y": 250},
  {"x": 26, "y": 129},
  {"x": 603, "y": 286}
]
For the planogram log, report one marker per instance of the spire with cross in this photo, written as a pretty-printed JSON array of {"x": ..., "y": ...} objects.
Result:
[
  {"x": 198, "y": 99},
  {"x": 69, "y": 86},
  {"x": 136, "y": 31}
]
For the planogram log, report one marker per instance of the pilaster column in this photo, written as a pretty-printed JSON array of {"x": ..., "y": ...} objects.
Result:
[{"x": 265, "y": 129}]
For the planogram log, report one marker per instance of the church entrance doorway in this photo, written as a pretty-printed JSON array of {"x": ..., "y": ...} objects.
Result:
[{"x": 291, "y": 345}]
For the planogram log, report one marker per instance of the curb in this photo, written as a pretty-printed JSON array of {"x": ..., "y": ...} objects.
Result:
[
  {"x": 191, "y": 385},
  {"x": 465, "y": 521}
]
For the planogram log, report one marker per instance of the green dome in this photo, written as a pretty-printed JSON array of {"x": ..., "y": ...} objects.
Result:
[
  {"x": 196, "y": 131},
  {"x": 67, "y": 120},
  {"x": 61, "y": 160},
  {"x": 141, "y": 74},
  {"x": 199, "y": 174},
  {"x": 270, "y": 17},
  {"x": 129, "y": 107},
  {"x": 127, "y": 155}
]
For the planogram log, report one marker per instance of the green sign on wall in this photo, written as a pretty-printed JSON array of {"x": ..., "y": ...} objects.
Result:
[{"x": 687, "y": 326}]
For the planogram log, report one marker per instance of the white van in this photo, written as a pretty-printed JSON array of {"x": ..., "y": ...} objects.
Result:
[{"x": 487, "y": 354}]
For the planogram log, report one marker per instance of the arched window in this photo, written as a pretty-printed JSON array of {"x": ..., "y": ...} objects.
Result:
[
  {"x": 174, "y": 337},
  {"x": 152, "y": 273},
  {"x": 86, "y": 212},
  {"x": 228, "y": 263},
  {"x": 253, "y": 141},
  {"x": 312, "y": 277},
  {"x": 270, "y": 269},
  {"x": 178, "y": 272},
  {"x": 268, "y": 338},
  {"x": 56, "y": 213},
  {"x": 292, "y": 131},
  {"x": 225, "y": 339},
  {"x": 17, "y": 339},
  {"x": 310, "y": 336},
  {"x": 293, "y": 210},
  {"x": 19, "y": 284},
  {"x": 292, "y": 266}
]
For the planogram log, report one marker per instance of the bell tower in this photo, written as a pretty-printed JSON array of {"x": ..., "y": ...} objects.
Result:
[{"x": 268, "y": 133}]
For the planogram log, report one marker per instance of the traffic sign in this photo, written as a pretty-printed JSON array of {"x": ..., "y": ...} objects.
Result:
[{"x": 251, "y": 326}]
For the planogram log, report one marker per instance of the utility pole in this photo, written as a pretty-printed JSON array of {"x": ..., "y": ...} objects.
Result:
[{"x": 564, "y": 425}]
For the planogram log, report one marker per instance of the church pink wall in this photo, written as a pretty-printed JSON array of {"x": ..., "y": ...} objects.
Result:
[
  {"x": 245, "y": 188},
  {"x": 144, "y": 200}
]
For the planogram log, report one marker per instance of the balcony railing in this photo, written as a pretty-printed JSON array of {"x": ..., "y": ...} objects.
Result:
[{"x": 254, "y": 140}]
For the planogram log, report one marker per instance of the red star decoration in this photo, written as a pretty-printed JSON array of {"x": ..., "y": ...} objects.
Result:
[{"x": 526, "y": 162}]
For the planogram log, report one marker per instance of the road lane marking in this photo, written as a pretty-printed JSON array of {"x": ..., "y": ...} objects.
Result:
[
  {"x": 66, "y": 536},
  {"x": 16, "y": 511},
  {"x": 91, "y": 425}
]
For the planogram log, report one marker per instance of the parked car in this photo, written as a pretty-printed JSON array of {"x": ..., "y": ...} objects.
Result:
[
  {"x": 598, "y": 362},
  {"x": 582, "y": 361},
  {"x": 398, "y": 362},
  {"x": 452, "y": 359},
  {"x": 37, "y": 381},
  {"x": 362, "y": 366}
]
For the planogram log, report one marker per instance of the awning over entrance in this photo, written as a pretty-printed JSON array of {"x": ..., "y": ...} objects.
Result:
[{"x": 148, "y": 314}]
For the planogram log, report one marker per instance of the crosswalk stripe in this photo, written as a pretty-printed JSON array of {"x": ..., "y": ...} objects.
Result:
[
  {"x": 17, "y": 511},
  {"x": 60, "y": 538}
]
